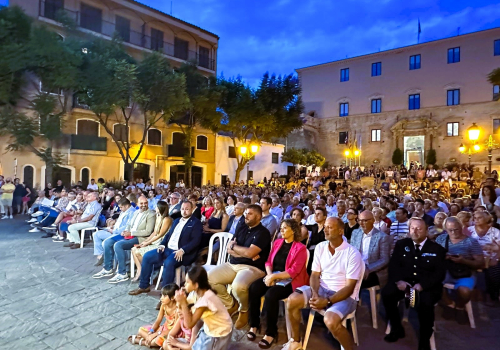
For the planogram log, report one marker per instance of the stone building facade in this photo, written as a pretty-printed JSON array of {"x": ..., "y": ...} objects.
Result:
[{"x": 416, "y": 98}]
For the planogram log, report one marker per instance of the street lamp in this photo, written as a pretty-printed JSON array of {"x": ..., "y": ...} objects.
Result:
[
  {"x": 473, "y": 132},
  {"x": 248, "y": 151},
  {"x": 352, "y": 155}
]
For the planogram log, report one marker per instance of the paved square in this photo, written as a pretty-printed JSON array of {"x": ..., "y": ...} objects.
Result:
[{"x": 49, "y": 301}]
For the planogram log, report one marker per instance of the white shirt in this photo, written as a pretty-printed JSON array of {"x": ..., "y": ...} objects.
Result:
[
  {"x": 93, "y": 187},
  {"x": 365, "y": 245},
  {"x": 346, "y": 263},
  {"x": 310, "y": 220},
  {"x": 136, "y": 221},
  {"x": 331, "y": 210},
  {"x": 141, "y": 185},
  {"x": 421, "y": 244},
  {"x": 444, "y": 207},
  {"x": 277, "y": 211},
  {"x": 230, "y": 210},
  {"x": 173, "y": 242},
  {"x": 381, "y": 226}
]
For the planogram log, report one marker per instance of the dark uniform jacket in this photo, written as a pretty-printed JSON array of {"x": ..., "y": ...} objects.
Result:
[{"x": 427, "y": 268}]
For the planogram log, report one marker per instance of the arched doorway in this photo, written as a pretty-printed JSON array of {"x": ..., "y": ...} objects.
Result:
[
  {"x": 63, "y": 174},
  {"x": 28, "y": 175},
  {"x": 85, "y": 178}
]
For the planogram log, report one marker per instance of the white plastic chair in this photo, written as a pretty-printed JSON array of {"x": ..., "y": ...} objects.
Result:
[
  {"x": 224, "y": 238},
  {"x": 90, "y": 229},
  {"x": 180, "y": 276},
  {"x": 351, "y": 317},
  {"x": 373, "y": 304},
  {"x": 468, "y": 306}
]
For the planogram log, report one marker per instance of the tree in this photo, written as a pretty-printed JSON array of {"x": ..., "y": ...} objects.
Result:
[
  {"x": 116, "y": 88},
  {"x": 397, "y": 157},
  {"x": 494, "y": 79},
  {"x": 30, "y": 116},
  {"x": 313, "y": 158},
  {"x": 294, "y": 156},
  {"x": 431, "y": 157},
  {"x": 203, "y": 94},
  {"x": 267, "y": 113}
]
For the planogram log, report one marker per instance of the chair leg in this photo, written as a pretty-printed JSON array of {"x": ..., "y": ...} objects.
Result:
[
  {"x": 308, "y": 329},
  {"x": 373, "y": 303},
  {"x": 468, "y": 308},
  {"x": 433, "y": 339},
  {"x": 159, "y": 278},
  {"x": 354, "y": 327},
  {"x": 388, "y": 329},
  {"x": 82, "y": 237},
  {"x": 132, "y": 265}
]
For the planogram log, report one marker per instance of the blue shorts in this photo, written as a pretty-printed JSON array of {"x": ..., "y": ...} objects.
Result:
[
  {"x": 469, "y": 282},
  {"x": 343, "y": 308}
]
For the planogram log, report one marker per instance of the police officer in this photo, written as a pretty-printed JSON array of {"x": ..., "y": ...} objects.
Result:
[{"x": 419, "y": 263}]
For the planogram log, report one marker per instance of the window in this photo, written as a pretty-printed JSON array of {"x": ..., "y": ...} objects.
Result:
[
  {"x": 376, "y": 69},
  {"x": 377, "y": 105},
  {"x": 121, "y": 132},
  {"x": 154, "y": 137},
  {"x": 453, "y": 97},
  {"x": 414, "y": 62},
  {"x": 344, "y": 109},
  {"x": 344, "y": 74},
  {"x": 87, "y": 127},
  {"x": 204, "y": 57},
  {"x": 51, "y": 90},
  {"x": 52, "y": 8},
  {"x": 122, "y": 27},
  {"x": 202, "y": 142},
  {"x": 496, "y": 47},
  {"x": 452, "y": 129},
  {"x": 375, "y": 135},
  {"x": 91, "y": 18},
  {"x": 156, "y": 40},
  {"x": 181, "y": 48},
  {"x": 231, "y": 152},
  {"x": 454, "y": 55},
  {"x": 496, "y": 92},
  {"x": 343, "y": 137},
  {"x": 275, "y": 158},
  {"x": 414, "y": 101},
  {"x": 496, "y": 126}
]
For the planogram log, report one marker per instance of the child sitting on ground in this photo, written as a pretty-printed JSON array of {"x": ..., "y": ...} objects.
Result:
[
  {"x": 218, "y": 326},
  {"x": 153, "y": 335},
  {"x": 181, "y": 337}
]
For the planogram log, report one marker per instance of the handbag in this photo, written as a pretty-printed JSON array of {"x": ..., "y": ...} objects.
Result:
[{"x": 456, "y": 270}]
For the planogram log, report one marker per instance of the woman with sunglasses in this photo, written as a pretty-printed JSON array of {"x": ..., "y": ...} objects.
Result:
[{"x": 352, "y": 223}]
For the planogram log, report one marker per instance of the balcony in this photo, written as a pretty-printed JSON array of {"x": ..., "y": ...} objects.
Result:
[
  {"x": 176, "y": 151},
  {"x": 54, "y": 10},
  {"x": 89, "y": 143}
]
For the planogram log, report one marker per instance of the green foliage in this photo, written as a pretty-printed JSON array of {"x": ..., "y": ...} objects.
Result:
[
  {"x": 397, "y": 157},
  {"x": 314, "y": 158},
  {"x": 431, "y": 157},
  {"x": 494, "y": 79},
  {"x": 267, "y": 113},
  {"x": 294, "y": 156}
]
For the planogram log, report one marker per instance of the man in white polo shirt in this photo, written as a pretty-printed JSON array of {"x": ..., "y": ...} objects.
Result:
[{"x": 337, "y": 273}]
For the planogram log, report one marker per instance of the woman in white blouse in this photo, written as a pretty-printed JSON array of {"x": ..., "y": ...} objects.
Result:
[
  {"x": 379, "y": 224},
  {"x": 489, "y": 239},
  {"x": 231, "y": 201}
]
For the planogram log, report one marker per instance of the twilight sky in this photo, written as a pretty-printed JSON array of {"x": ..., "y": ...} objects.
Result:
[{"x": 279, "y": 36}]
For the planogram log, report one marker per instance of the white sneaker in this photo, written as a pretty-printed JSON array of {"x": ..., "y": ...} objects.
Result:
[
  {"x": 11, "y": 217},
  {"x": 31, "y": 221},
  {"x": 292, "y": 345},
  {"x": 34, "y": 230},
  {"x": 103, "y": 273},
  {"x": 118, "y": 278},
  {"x": 38, "y": 213},
  {"x": 5, "y": 217},
  {"x": 53, "y": 225}
]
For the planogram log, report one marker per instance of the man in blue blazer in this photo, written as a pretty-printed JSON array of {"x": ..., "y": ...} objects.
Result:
[{"x": 179, "y": 247}]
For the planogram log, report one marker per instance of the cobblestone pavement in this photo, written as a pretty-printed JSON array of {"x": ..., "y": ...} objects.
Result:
[{"x": 49, "y": 301}]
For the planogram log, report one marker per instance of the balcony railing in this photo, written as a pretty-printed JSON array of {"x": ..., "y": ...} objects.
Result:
[
  {"x": 89, "y": 143},
  {"x": 54, "y": 9},
  {"x": 176, "y": 151}
]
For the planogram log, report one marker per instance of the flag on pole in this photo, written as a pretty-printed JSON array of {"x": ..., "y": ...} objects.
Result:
[{"x": 419, "y": 31}]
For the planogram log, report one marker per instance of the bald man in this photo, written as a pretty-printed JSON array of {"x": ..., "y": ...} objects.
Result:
[
  {"x": 337, "y": 272},
  {"x": 375, "y": 249}
]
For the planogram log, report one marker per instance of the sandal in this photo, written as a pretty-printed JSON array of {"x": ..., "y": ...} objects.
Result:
[
  {"x": 251, "y": 335},
  {"x": 264, "y": 344}
]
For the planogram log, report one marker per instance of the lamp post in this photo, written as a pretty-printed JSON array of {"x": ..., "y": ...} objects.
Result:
[
  {"x": 356, "y": 153},
  {"x": 248, "y": 151},
  {"x": 473, "y": 134}
]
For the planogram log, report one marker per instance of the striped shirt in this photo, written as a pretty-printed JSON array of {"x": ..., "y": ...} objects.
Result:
[{"x": 399, "y": 230}]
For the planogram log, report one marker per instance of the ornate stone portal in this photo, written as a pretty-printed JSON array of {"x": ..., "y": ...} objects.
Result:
[{"x": 421, "y": 126}]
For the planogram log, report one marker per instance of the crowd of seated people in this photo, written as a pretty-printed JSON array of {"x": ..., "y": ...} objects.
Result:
[{"x": 314, "y": 242}]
